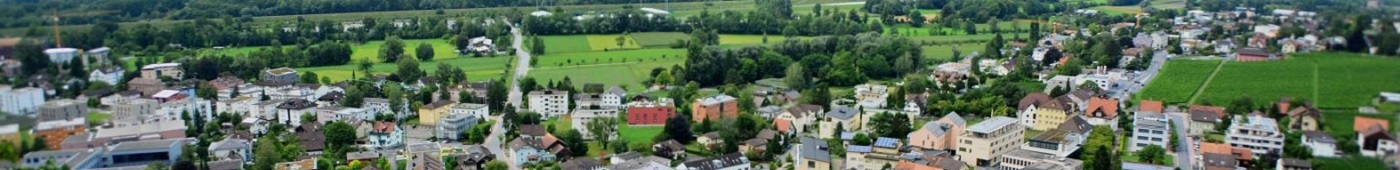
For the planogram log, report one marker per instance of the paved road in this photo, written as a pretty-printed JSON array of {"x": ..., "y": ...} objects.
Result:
[
  {"x": 1185, "y": 146},
  {"x": 522, "y": 64},
  {"x": 496, "y": 144},
  {"x": 1132, "y": 86}
]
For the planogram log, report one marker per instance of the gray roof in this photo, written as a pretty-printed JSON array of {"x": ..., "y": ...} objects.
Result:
[
  {"x": 230, "y": 144},
  {"x": 1219, "y": 160},
  {"x": 885, "y": 142},
  {"x": 646, "y": 163},
  {"x": 1077, "y": 124},
  {"x": 718, "y": 162},
  {"x": 953, "y": 116},
  {"x": 712, "y": 100},
  {"x": 628, "y": 155},
  {"x": 580, "y": 164},
  {"x": 615, "y": 90},
  {"x": 858, "y": 148},
  {"x": 841, "y": 112},
  {"x": 992, "y": 124},
  {"x": 815, "y": 149},
  {"x": 147, "y": 145},
  {"x": 1320, "y": 136},
  {"x": 226, "y": 165}
]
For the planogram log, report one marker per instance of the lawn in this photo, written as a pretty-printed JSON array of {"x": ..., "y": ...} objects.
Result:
[
  {"x": 566, "y": 43},
  {"x": 639, "y": 133},
  {"x": 480, "y": 68},
  {"x": 610, "y": 57},
  {"x": 368, "y": 50},
  {"x": 97, "y": 118},
  {"x": 561, "y": 123},
  {"x": 734, "y": 39},
  {"x": 1333, "y": 80},
  {"x": 1349, "y": 162},
  {"x": 945, "y": 51},
  {"x": 623, "y": 68},
  {"x": 950, "y": 38},
  {"x": 1178, "y": 80},
  {"x": 658, "y": 39},
  {"x": 1262, "y": 81},
  {"x": 609, "y": 42},
  {"x": 1119, "y": 10},
  {"x": 1339, "y": 122}
]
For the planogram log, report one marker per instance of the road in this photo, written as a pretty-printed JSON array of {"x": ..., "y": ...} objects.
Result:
[
  {"x": 1132, "y": 86},
  {"x": 522, "y": 64},
  {"x": 496, "y": 144},
  {"x": 1185, "y": 147}
]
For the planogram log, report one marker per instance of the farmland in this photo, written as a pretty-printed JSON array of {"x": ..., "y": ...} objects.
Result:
[
  {"x": 945, "y": 52},
  {"x": 1332, "y": 80},
  {"x": 480, "y": 68},
  {"x": 1178, "y": 79}
]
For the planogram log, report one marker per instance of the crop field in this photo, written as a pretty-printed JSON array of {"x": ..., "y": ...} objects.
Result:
[
  {"x": 734, "y": 39},
  {"x": 624, "y": 68},
  {"x": 945, "y": 51},
  {"x": 565, "y": 43},
  {"x": 1119, "y": 10},
  {"x": 609, "y": 42},
  {"x": 1178, "y": 80},
  {"x": 658, "y": 39},
  {"x": 481, "y": 68},
  {"x": 611, "y": 57},
  {"x": 947, "y": 38},
  {"x": 1262, "y": 81}
]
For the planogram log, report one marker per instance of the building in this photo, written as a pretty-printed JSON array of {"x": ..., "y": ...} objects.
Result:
[
  {"x": 56, "y": 131},
  {"x": 282, "y": 75},
  {"x": 797, "y": 119},
  {"x": 1149, "y": 129},
  {"x": 232, "y": 149},
  {"x": 714, "y": 108},
  {"x": 582, "y": 164},
  {"x": 871, "y": 95},
  {"x": 140, "y": 153},
  {"x": 1062, "y": 141},
  {"x": 549, "y": 102},
  {"x": 1293, "y": 164},
  {"x": 813, "y": 155},
  {"x": 1321, "y": 144},
  {"x": 1203, "y": 122},
  {"x": 1373, "y": 137},
  {"x": 1253, "y": 55},
  {"x": 63, "y": 109},
  {"x": 158, "y": 130},
  {"x": 72, "y": 158},
  {"x": 1102, "y": 111},
  {"x": 614, "y": 97},
  {"x": 133, "y": 110},
  {"x": 385, "y": 135},
  {"x": 985, "y": 141},
  {"x": 1256, "y": 132},
  {"x": 1303, "y": 118},
  {"x": 642, "y": 163},
  {"x": 842, "y": 116},
  {"x": 110, "y": 75},
  {"x": 1235, "y": 156},
  {"x": 146, "y": 86},
  {"x": 155, "y": 71},
  {"x": 61, "y": 55},
  {"x": 304, "y": 164},
  {"x": 1025, "y": 159},
  {"x": 1215, "y": 161},
  {"x": 290, "y": 112},
  {"x": 1040, "y": 112},
  {"x": 583, "y": 115},
  {"x": 471, "y": 110},
  {"x": 9, "y": 133},
  {"x": 731, "y": 161},
  {"x": 536, "y": 145},
  {"x": 20, "y": 101},
  {"x": 452, "y": 126},
  {"x": 429, "y": 114},
  {"x": 474, "y": 158},
  {"x": 941, "y": 134},
  {"x": 669, "y": 149},
  {"x": 650, "y": 112}
]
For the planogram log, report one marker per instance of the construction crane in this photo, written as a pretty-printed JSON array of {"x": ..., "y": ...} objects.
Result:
[{"x": 57, "y": 36}]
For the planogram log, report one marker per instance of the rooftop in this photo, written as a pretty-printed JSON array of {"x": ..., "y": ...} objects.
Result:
[
  {"x": 281, "y": 71},
  {"x": 992, "y": 124},
  {"x": 148, "y": 145},
  {"x": 718, "y": 162},
  {"x": 160, "y": 66},
  {"x": 815, "y": 149},
  {"x": 713, "y": 100}
]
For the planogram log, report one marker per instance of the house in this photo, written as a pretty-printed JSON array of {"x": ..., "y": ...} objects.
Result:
[
  {"x": 955, "y": 72},
  {"x": 796, "y": 119},
  {"x": 155, "y": 71},
  {"x": 1149, "y": 129},
  {"x": 985, "y": 141},
  {"x": 549, "y": 102},
  {"x": 941, "y": 134},
  {"x": 109, "y": 75},
  {"x": 536, "y": 145},
  {"x": 384, "y": 135},
  {"x": 855, "y": 156},
  {"x": 311, "y": 138},
  {"x": 642, "y": 163},
  {"x": 1027, "y": 159},
  {"x": 714, "y": 108},
  {"x": 871, "y": 95},
  {"x": 583, "y": 115},
  {"x": 307, "y": 164},
  {"x": 711, "y": 139},
  {"x": 884, "y": 151},
  {"x": 1218, "y": 161},
  {"x": 1374, "y": 137},
  {"x": 62, "y": 109},
  {"x": 290, "y": 112},
  {"x": 1293, "y": 164},
  {"x": 1102, "y": 111},
  {"x": 731, "y": 161},
  {"x": 282, "y": 75},
  {"x": 453, "y": 125},
  {"x": 146, "y": 86},
  {"x": 1040, "y": 112},
  {"x": 650, "y": 112},
  {"x": 842, "y": 116},
  {"x": 471, "y": 110},
  {"x": 1321, "y": 144},
  {"x": 135, "y": 110},
  {"x": 1063, "y": 141},
  {"x": 20, "y": 101},
  {"x": 232, "y": 149},
  {"x": 474, "y": 157},
  {"x": 1253, "y": 55},
  {"x": 1237, "y": 155},
  {"x": 1303, "y": 118},
  {"x": 429, "y": 114},
  {"x": 814, "y": 155},
  {"x": 1203, "y": 122},
  {"x": 613, "y": 97},
  {"x": 669, "y": 149},
  {"x": 56, "y": 131},
  {"x": 581, "y": 164},
  {"x": 1259, "y": 133},
  {"x": 426, "y": 161}
]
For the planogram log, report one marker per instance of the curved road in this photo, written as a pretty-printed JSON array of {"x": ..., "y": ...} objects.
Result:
[{"x": 496, "y": 141}]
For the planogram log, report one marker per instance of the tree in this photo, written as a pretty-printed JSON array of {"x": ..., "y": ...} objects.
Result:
[
  {"x": 392, "y": 49},
  {"x": 408, "y": 70},
  {"x": 602, "y": 130},
  {"x": 1096, "y": 148},
  {"x": 340, "y": 138},
  {"x": 916, "y": 18},
  {"x": 309, "y": 77},
  {"x": 678, "y": 128},
  {"x": 354, "y": 97},
  {"x": 1104, "y": 160},
  {"x": 1152, "y": 154},
  {"x": 31, "y": 57},
  {"x": 574, "y": 141},
  {"x": 395, "y": 96},
  {"x": 425, "y": 52},
  {"x": 537, "y": 46},
  {"x": 496, "y": 165},
  {"x": 1241, "y": 105},
  {"x": 886, "y": 124},
  {"x": 861, "y": 139},
  {"x": 266, "y": 153}
]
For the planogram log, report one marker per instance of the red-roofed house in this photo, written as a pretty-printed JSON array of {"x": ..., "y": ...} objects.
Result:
[
  {"x": 1150, "y": 106},
  {"x": 1363, "y": 123},
  {"x": 1218, "y": 111},
  {"x": 1102, "y": 111}
]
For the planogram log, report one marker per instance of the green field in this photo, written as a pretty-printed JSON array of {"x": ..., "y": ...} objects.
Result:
[
  {"x": 1331, "y": 80},
  {"x": 609, "y": 42},
  {"x": 945, "y": 52},
  {"x": 658, "y": 39},
  {"x": 481, "y": 68},
  {"x": 1339, "y": 122},
  {"x": 565, "y": 44},
  {"x": 734, "y": 39},
  {"x": 637, "y": 134},
  {"x": 1178, "y": 80},
  {"x": 1119, "y": 10},
  {"x": 368, "y": 50},
  {"x": 611, "y": 57},
  {"x": 1349, "y": 162}
]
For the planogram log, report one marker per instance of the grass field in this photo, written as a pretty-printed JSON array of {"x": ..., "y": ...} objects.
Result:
[
  {"x": 1349, "y": 162},
  {"x": 1119, "y": 10},
  {"x": 945, "y": 52},
  {"x": 481, "y": 68},
  {"x": 1339, "y": 122},
  {"x": 566, "y": 44},
  {"x": 946, "y": 38},
  {"x": 1178, "y": 80},
  {"x": 733, "y": 39},
  {"x": 368, "y": 50},
  {"x": 609, "y": 42},
  {"x": 636, "y": 134},
  {"x": 658, "y": 39},
  {"x": 611, "y": 57}
]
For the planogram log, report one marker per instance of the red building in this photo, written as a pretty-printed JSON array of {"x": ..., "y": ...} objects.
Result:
[
  {"x": 649, "y": 115},
  {"x": 1252, "y": 55}
]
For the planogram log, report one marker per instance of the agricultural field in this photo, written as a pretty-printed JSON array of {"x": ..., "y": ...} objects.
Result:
[
  {"x": 978, "y": 37},
  {"x": 1349, "y": 162},
  {"x": 363, "y": 51},
  {"x": 1178, "y": 80},
  {"x": 945, "y": 52},
  {"x": 611, "y": 57},
  {"x": 565, "y": 43},
  {"x": 735, "y": 39},
  {"x": 636, "y": 134},
  {"x": 479, "y": 68},
  {"x": 1339, "y": 122},
  {"x": 658, "y": 39},
  {"x": 1119, "y": 10},
  {"x": 609, "y": 42}
]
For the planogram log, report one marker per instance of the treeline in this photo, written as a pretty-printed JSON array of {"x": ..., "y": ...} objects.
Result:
[
  {"x": 23, "y": 13},
  {"x": 832, "y": 22},
  {"x": 841, "y": 60}
]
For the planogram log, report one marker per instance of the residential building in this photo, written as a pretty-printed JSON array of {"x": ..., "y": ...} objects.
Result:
[
  {"x": 535, "y": 145},
  {"x": 311, "y": 138},
  {"x": 303, "y": 164},
  {"x": 1203, "y": 122},
  {"x": 581, "y": 164},
  {"x": 941, "y": 134},
  {"x": 452, "y": 126},
  {"x": 155, "y": 71},
  {"x": 1062, "y": 141},
  {"x": 1374, "y": 138},
  {"x": 72, "y": 158},
  {"x": 132, "y": 110},
  {"x": 1293, "y": 164},
  {"x": 290, "y": 111},
  {"x": 813, "y": 155},
  {"x": 338, "y": 113},
  {"x": 63, "y": 109},
  {"x": 61, "y": 55},
  {"x": 232, "y": 149},
  {"x": 1238, "y": 156},
  {"x": 1215, "y": 161},
  {"x": 731, "y": 161},
  {"x": 985, "y": 141},
  {"x": 1025, "y": 159},
  {"x": 56, "y": 131},
  {"x": 385, "y": 135},
  {"x": 426, "y": 161},
  {"x": 1321, "y": 144},
  {"x": 140, "y": 153},
  {"x": 20, "y": 101},
  {"x": 1303, "y": 118},
  {"x": 669, "y": 149},
  {"x": 650, "y": 112},
  {"x": 855, "y": 156},
  {"x": 109, "y": 75},
  {"x": 472, "y": 110},
  {"x": 474, "y": 158},
  {"x": 644, "y": 163},
  {"x": 614, "y": 97},
  {"x": 1149, "y": 129},
  {"x": 709, "y": 140},
  {"x": 1256, "y": 132},
  {"x": 429, "y": 114},
  {"x": 714, "y": 108},
  {"x": 549, "y": 102},
  {"x": 583, "y": 115},
  {"x": 842, "y": 116},
  {"x": 9, "y": 133},
  {"x": 147, "y": 86},
  {"x": 796, "y": 119},
  {"x": 871, "y": 95},
  {"x": 1251, "y": 54},
  {"x": 282, "y": 75},
  {"x": 1102, "y": 111},
  {"x": 1040, "y": 112}
]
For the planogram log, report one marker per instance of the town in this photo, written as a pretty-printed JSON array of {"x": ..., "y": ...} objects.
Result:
[{"x": 702, "y": 85}]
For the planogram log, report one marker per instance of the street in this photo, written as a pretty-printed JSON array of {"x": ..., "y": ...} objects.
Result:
[
  {"x": 1132, "y": 86},
  {"x": 1185, "y": 147},
  {"x": 496, "y": 141}
]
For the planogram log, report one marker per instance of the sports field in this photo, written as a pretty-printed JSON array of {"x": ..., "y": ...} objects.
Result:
[{"x": 1331, "y": 80}]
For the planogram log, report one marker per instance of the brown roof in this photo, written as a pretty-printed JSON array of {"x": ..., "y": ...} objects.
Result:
[
  {"x": 1040, "y": 100},
  {"x": 385, "y": 127},
  {"x": 1365, "y": 123},
  {"x": 1150, "y": 106},
  {"x": 1218, "y": 111},
  {"x": 1109, "y": 107},
  {"x": 799, "y": 110},
  {"x": 532, "y": 130}
]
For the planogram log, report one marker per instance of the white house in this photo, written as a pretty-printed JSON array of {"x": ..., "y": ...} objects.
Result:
[
  {"x": 231, "y": 149},
  {"x": 337, "y": 113},
  {"x": 732, "y": 161},
  {"x": 871, "y": 95},
  {"x": 1149, "y": 129},
  {"x": 1258, "y": 133},
  {"x": 20, "y": 101},
  {"x": 1321, "y": 144},
  {"x": 385, "y": 135},
  {"x": 549, "y": 103},
  {"x": 614, "y": 96},
  {"x": 582, "y": 116},
  {"x": 471, "y": 109},
  {"x": 110, "y": 75},
  {"x": 61, "y": 55}
]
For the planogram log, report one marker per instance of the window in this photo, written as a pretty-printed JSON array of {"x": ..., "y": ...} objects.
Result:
[{"x": 811, "y": 164}]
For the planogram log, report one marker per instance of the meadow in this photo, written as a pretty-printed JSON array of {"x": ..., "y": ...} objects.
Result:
[
  {"x": 945, "y": 51},
  {"x": 1331, "y": 80},
  {"x": 1178, "y": 80},
  {"x": 477, "y": 68}
]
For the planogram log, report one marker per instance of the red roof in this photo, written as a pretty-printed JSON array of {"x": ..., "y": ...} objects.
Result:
[
  {"x": 1109, "y": 107},
  {"x": 1363, "y": 123},
  {"x": 384, "y": 127},
  {"x": 784, "y": 125},
  {"x": 1150, "y": 106}
]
